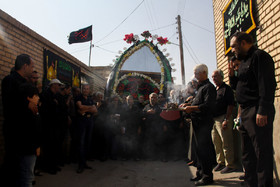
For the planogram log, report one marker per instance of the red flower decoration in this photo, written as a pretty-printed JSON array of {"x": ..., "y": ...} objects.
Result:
[
  {"x": 134, "y": 95},
  {"x": 146, "y": 34},
  {"x": 147, "y": 80},
  {"x": 129, "y": 38},
  {"x": 121, "y": 86},
  {"x": 162, "y": 41}
]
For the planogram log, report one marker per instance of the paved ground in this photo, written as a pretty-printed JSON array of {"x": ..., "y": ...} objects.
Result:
[{"x": 131, "y": 174}]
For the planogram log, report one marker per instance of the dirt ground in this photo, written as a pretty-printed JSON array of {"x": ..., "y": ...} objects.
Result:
[{"x": 131, "y": 174}]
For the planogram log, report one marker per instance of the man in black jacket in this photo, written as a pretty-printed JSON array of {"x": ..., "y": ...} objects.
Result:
[
  {"x": 152, "y": 128},
  {"x": 49, "y": 111},
  {"x": 16, "y": 159},
  {"x": 255, "y": 89},
  {"x": 201, "y": 111}
]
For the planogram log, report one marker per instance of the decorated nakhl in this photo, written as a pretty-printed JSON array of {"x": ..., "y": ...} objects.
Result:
[{"x": 141, "y": 69}]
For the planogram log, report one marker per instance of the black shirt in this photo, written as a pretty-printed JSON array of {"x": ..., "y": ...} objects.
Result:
[
  {"x": 85, "y": 101},
  {"x": 152, "y": 116},
  {"x": 49, "y": 109},
  {"x": 10, "y": 96},
  {"x": 153, "y": 121},
  {"x": 62, "y": 109},
  {"x": 131, "y": 118},
  {"x": 255, "y": 83},
  {"x": 204, "y": 99},
  {"x": 224, "y": 99},
  {"x": 21, "y": 127}
]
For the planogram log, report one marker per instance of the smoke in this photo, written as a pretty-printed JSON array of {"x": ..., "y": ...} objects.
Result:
[{"x": 175, "y": 92}]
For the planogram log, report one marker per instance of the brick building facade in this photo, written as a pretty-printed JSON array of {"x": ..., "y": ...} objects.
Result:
[
  {"x": 15, "y": 39},
  {"x": 267, "y": 18}
]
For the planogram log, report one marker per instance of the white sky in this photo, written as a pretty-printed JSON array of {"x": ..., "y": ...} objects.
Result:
[{"x": 55, "y": 19}]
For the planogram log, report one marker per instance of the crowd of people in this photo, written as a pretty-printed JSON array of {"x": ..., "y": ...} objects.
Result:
[
  {"x": 43, "y": 131},
  {"x": 60, "y": 125}
]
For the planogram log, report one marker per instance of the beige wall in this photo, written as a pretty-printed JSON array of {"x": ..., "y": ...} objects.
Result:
[
  {"x": 15, "y": 39},
  {"x": 268, "y": 39}
]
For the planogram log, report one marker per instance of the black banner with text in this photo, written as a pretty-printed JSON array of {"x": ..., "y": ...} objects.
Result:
[
  {"x": 237, "y": 16},
  {"x": 56, "y": 67}
]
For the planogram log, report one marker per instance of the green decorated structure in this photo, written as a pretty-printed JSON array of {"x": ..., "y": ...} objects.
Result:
[{"x": 140, "y": 70}]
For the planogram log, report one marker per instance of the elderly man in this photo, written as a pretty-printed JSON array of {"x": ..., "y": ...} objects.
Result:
[
  {"x": 202, "y": 120},
  {"x": 255, "y": 89},
  {"x": 222, "y": 130},
  {"x": 152, "y": 127}
]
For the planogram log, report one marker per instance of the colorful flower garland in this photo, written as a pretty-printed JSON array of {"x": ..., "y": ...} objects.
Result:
[{"x": 127, "y": 54}]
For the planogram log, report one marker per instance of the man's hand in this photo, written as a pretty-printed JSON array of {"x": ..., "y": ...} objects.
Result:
[
  {"x": 151, "y": 111},
  {"x": 98, "y": 104},
  {"x": 38, "y": 151},
  {"x": 184, "y": 105},
  {"x": 230, "y": 69},
  {"x": 188, "y": 109},
  {"x": 261, "y": 120},
  {"x": 224, "y": 124},
  {"x": 33, "y": 108},
  {"x": 189, "y": 98},
  {"x": 92, "y": 109}
]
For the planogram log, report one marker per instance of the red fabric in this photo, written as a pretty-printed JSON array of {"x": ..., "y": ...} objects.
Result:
[{"x": 170, "y": 115}]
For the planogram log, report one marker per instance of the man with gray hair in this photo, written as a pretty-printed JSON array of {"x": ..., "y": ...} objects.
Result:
[
  {"x": 202, "y": 119},
  {"x": 152, "y": 127},
  {"x": 222, "y": 130}
]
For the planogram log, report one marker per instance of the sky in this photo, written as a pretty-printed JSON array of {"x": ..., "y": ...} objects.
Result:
[{"x": 112, "y": 19}]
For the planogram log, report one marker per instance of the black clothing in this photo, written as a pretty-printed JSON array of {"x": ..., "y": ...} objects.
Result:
[
  {"x": 202, "y": 124},
  {"x": 85, "y": 128},
  {"x": 152, "y": 117},
  {"x": 49, "y": 108},
  {"x": 112, "y": 131},
  {"x": 224, "y": 99},
  {"x": 10, "y": 94},
  {"x": 255, "y": 88},
  {"x": 153, "y": 131},
  {"x": 85, "y": 101},
  {"x": 204, "y": 100},
  {"x": 49, "y": 111},
  {"x": 98, "y": 137},
  {"x": 257, "y": 156},
  {"x": 131, "y": 118},
  {"x": 255, "y": 84},
  {"x": 141, "y": 106},
  {"x": 20, "y": 128},
  {"x": 12, "y": 109},
  {"x": 29, "y": 135},
  {"x": 130, "y": 121},
  {"x": 63, "y": 126},
  {"x": 62, "y": 109}
]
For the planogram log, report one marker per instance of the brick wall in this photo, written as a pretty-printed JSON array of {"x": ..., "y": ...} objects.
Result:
[
  {"x": 268, "y": 39},
  {"x": 15, "y": 39}
]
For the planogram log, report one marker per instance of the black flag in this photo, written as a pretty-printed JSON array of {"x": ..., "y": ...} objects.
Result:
[{"x": 82, "y": 35}]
